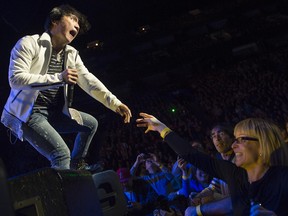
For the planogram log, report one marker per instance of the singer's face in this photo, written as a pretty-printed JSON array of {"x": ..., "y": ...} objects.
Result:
[{"x": 65, "y": 30}]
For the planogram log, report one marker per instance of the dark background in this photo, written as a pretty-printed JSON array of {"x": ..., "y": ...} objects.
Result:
[{"x": 130, "y": 60}]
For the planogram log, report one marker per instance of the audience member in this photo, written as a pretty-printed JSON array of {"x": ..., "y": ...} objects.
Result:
[{"x": 159, "y": 177}]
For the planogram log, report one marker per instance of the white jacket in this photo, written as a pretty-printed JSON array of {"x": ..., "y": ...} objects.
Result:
[{"x": 28, "y": 67}]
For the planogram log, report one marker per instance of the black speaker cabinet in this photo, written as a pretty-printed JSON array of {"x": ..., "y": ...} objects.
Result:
[{"x": 50, "y": 192}]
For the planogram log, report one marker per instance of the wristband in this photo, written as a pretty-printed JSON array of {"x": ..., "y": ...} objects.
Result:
[
  {"x": 164, "y": 132},
  {"x": 198, "y": 210},
  {"x": 161, "y": 166}
]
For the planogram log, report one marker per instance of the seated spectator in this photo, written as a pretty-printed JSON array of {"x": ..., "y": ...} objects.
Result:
[
  {"x": 140, "y": 196},
  {"x": 159, "y": 177},
  {"x": 257, "y": 186}
]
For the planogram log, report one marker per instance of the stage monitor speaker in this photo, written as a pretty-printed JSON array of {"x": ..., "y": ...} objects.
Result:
[
  {"x": 110, "y": 193},
  {"x": 50, "y": 192}
]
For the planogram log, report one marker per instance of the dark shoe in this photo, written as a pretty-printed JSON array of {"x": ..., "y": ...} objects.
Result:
[
  {"x": 94, "y": 168},
  {"x": 82, "y": 165}
]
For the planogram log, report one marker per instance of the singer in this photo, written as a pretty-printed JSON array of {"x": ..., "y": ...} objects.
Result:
[{"x": 42, "y": 73}]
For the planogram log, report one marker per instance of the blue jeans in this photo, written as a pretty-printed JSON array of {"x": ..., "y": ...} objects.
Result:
[{"x": 43, "y": 130}]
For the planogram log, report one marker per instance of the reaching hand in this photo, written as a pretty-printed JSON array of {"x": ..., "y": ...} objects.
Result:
[
  {"x": 149, "y": 121},
  {"x": 123, "y": 110}
]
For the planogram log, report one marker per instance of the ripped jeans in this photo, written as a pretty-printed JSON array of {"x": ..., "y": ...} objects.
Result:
[{"x": 43, "y": 131}]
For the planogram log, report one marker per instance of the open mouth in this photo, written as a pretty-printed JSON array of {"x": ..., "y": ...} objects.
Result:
[{"x": 73, "y": 33}]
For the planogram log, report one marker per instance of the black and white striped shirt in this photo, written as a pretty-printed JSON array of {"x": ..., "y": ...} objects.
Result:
[{"x": 52, "y": 98}]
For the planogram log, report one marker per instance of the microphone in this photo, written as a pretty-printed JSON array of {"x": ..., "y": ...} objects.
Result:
[{"x": 70, "y": 93}]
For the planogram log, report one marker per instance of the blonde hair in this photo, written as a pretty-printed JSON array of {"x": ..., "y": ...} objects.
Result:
[{"x": 269, "y": 137}]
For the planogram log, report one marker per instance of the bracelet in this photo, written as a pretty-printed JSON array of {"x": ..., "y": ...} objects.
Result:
[
  {"x": 161, "y": 166},
  {"x": 164, "y": 132},
  {"x": 198, "y": 210}
]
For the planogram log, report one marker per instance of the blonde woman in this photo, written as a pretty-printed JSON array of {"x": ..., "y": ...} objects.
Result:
[{"x": 257, "y": 181}]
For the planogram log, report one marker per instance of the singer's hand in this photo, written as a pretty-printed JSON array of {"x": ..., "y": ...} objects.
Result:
[
  {"x": 123, "y": 110},
  {"x": 70, "y": 76}
]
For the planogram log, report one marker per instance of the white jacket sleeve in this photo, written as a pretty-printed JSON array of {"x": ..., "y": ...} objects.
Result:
[{"x": 29, "y": 64}]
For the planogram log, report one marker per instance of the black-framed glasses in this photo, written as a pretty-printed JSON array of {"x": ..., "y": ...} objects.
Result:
[{"x": 241, "y": 139}]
